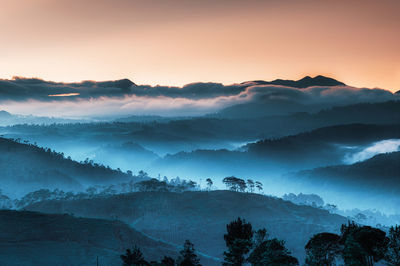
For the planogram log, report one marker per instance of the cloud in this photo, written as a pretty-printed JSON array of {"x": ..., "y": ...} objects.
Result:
[
  {"x": 19, "y": 89},
  {"x": 384, "y": 146},
  {"x": 39, "y": 97}
]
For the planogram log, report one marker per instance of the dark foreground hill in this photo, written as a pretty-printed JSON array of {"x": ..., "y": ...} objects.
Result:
[
  {"x": 202, "y": 216},
  {"x": 30, "y": 238},
  {"x": 26, "y": 168}
]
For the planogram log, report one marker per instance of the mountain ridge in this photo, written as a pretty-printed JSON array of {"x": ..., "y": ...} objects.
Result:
[{"x": 302, "y": 83}]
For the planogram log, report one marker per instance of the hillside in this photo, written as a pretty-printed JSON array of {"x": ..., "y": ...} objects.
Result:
[
  {"x": 382, "y": 172},
  {"x": 65, "y": 240},
  {"x": 320, "y": 147},
  {"x": 376, "y": 181},
  {"x": 314, "y": 142},
  {"x": 202, "y": 216},
  {"x": 364, "y": 112},
  {"x": 27, "y": 168}
]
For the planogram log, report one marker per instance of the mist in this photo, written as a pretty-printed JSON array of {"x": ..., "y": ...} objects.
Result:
[{"x": 383, "y": 146}]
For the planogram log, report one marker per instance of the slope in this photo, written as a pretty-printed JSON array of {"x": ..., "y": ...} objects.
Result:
[
  {"x": 202, "y": 216},
  {"x": 31, "y": 238}
]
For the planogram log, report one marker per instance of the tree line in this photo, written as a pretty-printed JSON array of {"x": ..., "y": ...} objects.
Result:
[{"x": 356, "y": 245}]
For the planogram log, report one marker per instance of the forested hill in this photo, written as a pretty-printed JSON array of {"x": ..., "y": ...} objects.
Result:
[
  {"x": 381, "y": 172},
  {"x": 351, "y": 134},
  {"x": 26, "y": 167},
  {"x": 320, "y": 147}
]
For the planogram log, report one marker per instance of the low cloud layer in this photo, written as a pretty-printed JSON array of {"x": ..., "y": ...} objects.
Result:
[
  {"x": 123, "y": 97},
  {"x": 384, "y": 146}
]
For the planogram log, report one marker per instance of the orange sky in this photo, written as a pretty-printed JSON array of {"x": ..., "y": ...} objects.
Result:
[{"x": 174, "y": 42}]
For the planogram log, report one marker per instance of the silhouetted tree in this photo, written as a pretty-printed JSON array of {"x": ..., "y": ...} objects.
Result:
[
  {"x": 392, "y": 256},
  {"x": 234, "y": 183},
  {"x": 259, "y": 186},
  {"x": 363, "y": 245},
  {"x": 239, "y": 242},
  {"x": 322, "y": 249},
  {"x": 133, "y": 258},
  {"x": 250, "y": 185},
  {"x": 167, "y": 261},
  {"x": 304, "y": 199},
  {"x": 151, "y": 185},
  {"x": 260, "y": 235},
  {"x": 272, "y": 252},
  {"x": 143, "y": 175},
  {"x": 188, "y": 255},
  {"x": 209, "y": 183},
  {"x": 353, "y": 254}
]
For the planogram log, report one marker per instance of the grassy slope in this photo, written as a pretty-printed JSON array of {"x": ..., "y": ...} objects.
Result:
[
  {"x": 202, "y": 216},
  {"x": 31, "y": 238}
]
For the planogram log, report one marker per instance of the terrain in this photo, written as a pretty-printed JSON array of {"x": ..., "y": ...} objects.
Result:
[
  {"x": 26, "y": 167},
  {"x": 202, "y": 216},
  {"x": 31, "y": 238}
]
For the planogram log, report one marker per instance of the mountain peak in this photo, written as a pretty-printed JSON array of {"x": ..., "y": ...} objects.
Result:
[
  {"x": 308, "y": 81},
  {"x": 4, "y": 114},
  {"x": 121, "y": 83},
  {"x": 305, "y": 82}
]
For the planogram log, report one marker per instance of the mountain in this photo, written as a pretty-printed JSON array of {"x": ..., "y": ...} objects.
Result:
[
  {"x": 104, "y": 142},
  {"x": 31, "y": 238},
  {"x": 373, "y": 183},
  {"x": 301, "y": 83},
  {"x": 269, "y": 157},
  {"x": 8, "y": 119},
  {"x": 326, "y": 138},
  {"x": 5, "y": 114},
  {"x": 26, "y": 167},
  {"x": 381, "y": 172},
  {"x": 129, "y": 153},
  {"x": 201, "y": 217}
]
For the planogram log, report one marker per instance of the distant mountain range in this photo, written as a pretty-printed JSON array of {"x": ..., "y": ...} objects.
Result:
[
  {"x": 320, "y": 147},
  {"x": 8, "y": 119},
  {"x": 301, "y": 83}
]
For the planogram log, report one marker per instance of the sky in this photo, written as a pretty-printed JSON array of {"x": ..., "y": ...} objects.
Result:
[{"x": 176, "y": 42}]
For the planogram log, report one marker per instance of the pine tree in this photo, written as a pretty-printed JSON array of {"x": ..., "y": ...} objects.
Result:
[
  {"x": 239, "y": 242},
  {"x": 133, "y": 258},
  {"x": 392, "y": 256},
  {"x": 188, "y": 255}
]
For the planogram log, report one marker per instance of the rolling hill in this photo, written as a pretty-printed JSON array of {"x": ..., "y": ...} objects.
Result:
[
  {"x": 66, "y": 240},
  {"x": 373, "y": 183},
  {"x": 381, "y": 172},
  {"x": 320, "y": 147},
  {"x": 26, "y": 167},
  {"x": 202, "y": 216}
]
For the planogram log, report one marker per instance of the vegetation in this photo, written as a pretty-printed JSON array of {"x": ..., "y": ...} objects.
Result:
[
  {"x": 392, "y": 256},
  {"x": 238, "y": 240},
  {"x": 356, "y": 245},
  {"x": 188, "y": 256},
  {"x": 133, "y": 257},
  {"x": 237, "y": 184}
]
